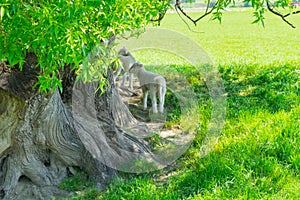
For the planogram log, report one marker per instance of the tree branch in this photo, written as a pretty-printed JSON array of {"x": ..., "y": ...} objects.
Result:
[
  {"x": 280, "y": 15},
  {"x": 185, "y": 21},
  {"x": 160, "y": 17},
  {"x": 177, "y": 5},
  {"x": 207, "y": 12},
  {"x": 207, "y": 6},
  {"x": 292, "y": 13}
]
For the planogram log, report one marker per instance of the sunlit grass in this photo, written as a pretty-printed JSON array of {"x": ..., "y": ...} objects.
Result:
[{"x": 237, "y": 41}]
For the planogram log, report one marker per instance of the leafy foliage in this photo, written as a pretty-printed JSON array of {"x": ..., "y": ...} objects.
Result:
[
  {"x": 79, "y": 181},
  {"x": 65, "y": 32}
]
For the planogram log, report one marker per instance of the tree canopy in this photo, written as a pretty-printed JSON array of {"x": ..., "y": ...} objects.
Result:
[{"x": 64, "y": 32}]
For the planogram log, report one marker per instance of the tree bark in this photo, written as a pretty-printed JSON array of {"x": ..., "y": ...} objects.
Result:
[{"x": 41, "y": 142}]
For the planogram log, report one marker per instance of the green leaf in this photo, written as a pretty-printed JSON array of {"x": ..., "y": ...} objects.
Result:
[
  {"x": 2, "y": 12},
  {"x": 64, "y": 32}
]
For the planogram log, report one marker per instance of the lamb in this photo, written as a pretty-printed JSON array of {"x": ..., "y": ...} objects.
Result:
[
  {"x": 153, "y": 82},
  {"x": 127, "y": 61}
]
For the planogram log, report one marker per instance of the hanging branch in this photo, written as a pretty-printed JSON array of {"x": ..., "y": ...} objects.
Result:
[
  {"x": 292, "y": 13},
  {"x": 206, "y": 11},
  {"x": 177, "y": 6},
  {"x": 279, "y": 14},
  {"x": 209, "y": 11},
  {"x": 185, "y": 21},
  {"x": 161, "y": 15}
]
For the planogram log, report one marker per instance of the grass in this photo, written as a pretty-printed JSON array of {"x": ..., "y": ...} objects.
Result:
[
  {"x": 79, "y": 181},
  {"x": 257, "y": 155}
]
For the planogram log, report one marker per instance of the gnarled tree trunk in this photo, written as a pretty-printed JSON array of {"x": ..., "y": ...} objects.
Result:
[{"x": 41, "y": 142}]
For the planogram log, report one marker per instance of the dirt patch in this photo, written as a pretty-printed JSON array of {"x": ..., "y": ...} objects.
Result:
[{"x": 155, "y": 122}]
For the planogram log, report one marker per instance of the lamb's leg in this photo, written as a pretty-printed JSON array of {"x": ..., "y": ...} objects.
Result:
[
  {"x": 162, "y": 93},
  {"x": 145, "y": 96},
  {"x": 124, "y": 79},
  {"x": 117, "y": 73},
  {"x": 130, "y": 80},
  {"x": 153, "y": 99}
]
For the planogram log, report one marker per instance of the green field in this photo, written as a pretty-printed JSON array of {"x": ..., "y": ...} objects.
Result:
[{"x": 257, "y": 155}]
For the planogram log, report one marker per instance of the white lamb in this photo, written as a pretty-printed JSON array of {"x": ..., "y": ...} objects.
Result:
[
  {"x": 127, "y": 61},
  {"x": 153, "y": 82}
]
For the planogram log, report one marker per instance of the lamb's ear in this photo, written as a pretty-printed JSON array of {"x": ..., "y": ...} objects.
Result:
[
  {"x": 137, "y": 65},
  {"x": 132, "y": 66},
  {"x": 125, "y": 50}
]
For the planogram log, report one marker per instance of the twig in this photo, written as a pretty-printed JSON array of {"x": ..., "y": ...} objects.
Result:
[
  {"x": 161, "y": 15},
  {"x": 206, "y": 13},
  {"x": 186, "y": 22},
  {"x": 280, "y": 15},
  {"x": 293, "y": 13},
  {"x": 207, "y": 6},
  {"x": 177, "y": 5}
]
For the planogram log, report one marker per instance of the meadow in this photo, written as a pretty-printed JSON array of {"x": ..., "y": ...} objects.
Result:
[{"x": 257, "y": 155}]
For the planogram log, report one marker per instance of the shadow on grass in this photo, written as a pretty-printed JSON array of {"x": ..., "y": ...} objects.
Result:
[
  {"x": 271, "y": 89},
  {"x": 264, "y": 165}
]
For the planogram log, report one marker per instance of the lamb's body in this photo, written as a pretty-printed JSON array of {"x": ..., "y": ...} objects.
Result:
[
  {"x": 127, "y": 61},
  {"x": 152, "y": 82}
]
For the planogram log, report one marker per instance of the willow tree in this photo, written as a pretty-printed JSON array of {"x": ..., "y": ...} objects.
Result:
[{"x": 45, "y": 47}]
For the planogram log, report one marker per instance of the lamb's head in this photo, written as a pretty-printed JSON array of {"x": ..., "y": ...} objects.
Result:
[
  {"x": 123, "y": 52},
  {"x": 136, "y": 67}
]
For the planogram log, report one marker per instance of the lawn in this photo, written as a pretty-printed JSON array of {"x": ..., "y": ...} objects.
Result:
[{"x": 257, "y": 155}]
